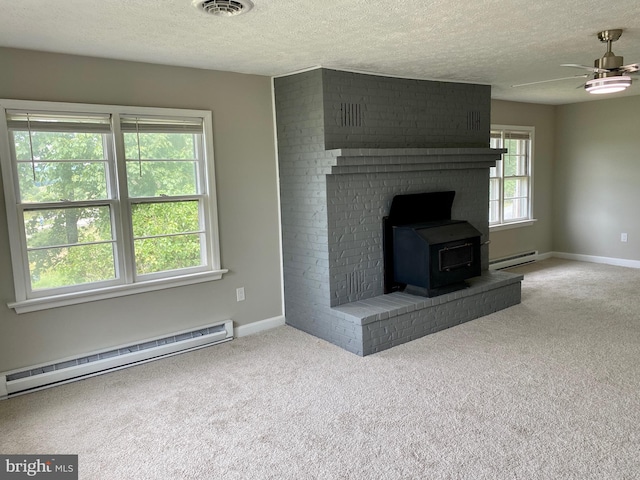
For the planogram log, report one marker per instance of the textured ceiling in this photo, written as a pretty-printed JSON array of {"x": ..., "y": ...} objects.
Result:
[{"x": 496, "y": 42}]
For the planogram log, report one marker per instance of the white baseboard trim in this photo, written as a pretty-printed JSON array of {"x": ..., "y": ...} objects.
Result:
[
  {"x": 259, "y": 326},
  {"x": 619, "y": 262},
  {"x": 545, "y": 256}
]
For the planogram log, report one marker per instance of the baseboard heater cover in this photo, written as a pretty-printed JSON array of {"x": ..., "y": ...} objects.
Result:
[
  {"x": 513, "y": 260},
  {"x": 41, "y": 376}
]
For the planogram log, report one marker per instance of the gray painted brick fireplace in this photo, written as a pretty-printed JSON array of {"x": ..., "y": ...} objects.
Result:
[{"x": 347, "y": 144}]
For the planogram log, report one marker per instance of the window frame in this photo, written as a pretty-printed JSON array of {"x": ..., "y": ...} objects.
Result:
[
  {"x": 127, "y": 282},
  {"x": 530, "y": 219}
]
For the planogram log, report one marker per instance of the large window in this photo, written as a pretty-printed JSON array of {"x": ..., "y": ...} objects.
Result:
[
  {"x": 105, "y": 201},
  {"x": 510, "y": 182}
]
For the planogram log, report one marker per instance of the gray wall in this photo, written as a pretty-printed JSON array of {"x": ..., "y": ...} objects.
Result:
[
  {"x": 597, "y": 178},
  {"x": 586, "y": 178},
  {"x": 243, "y": 131},
  {"x": 538, "y": 236}
]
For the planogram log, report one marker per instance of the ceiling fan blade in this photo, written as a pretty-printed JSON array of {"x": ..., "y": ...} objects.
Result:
[
  {"x": 591, "y": 69},
  {"x": 631, "y": 68},
  {"x": 585, "y": 75}
]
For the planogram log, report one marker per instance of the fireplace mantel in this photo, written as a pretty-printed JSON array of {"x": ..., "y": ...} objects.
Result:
[
  {"x": 414, "y": 152},
  {"x": 376, "y": 160}
]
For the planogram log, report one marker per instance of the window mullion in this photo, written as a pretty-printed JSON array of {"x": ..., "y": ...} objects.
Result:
[
  {"x": 123, "y": 227},
  {"x": 166, "y": 199},
  {"x": 501, "y": 173},
  {"x": 64, "y": 204}
]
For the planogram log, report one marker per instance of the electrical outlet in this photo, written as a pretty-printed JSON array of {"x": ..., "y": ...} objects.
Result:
[
  {"x": 240, "y": 294},
  {"x": 623, "y": 237}
]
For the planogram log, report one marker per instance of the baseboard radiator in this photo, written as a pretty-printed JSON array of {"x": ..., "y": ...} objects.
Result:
[
  {"x": 37, "y": 377},
  {"x": 513, "y": 260}
]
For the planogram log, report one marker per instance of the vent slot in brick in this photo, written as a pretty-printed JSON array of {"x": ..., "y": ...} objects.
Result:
[
  {"x": 473, "y": 121},
  {"x": 355, "y": 283},
  {"x": 350, "y": 115}
]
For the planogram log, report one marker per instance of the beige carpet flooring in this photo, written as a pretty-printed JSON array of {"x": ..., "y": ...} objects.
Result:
[{"x": 548, "y": 389}]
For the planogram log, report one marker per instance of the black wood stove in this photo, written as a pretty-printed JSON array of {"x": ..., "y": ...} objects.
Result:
[{"x": 425, "y": 251}]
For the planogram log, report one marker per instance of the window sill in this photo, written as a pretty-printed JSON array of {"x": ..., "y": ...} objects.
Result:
[
  {"x": 509, "y": 226},
  {"x": 44, "y": 303}
]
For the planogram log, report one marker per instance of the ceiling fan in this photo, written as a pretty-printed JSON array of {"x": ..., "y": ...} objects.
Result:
[{"x": 609, "y": 73}]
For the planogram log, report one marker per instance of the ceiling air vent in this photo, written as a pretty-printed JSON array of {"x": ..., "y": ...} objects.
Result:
[{"x": 223, "y": 8}]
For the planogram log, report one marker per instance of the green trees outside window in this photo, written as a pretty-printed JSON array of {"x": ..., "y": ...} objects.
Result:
[
  {"x": 72, "y": 206},
  {"x": 510, "y": 179}
]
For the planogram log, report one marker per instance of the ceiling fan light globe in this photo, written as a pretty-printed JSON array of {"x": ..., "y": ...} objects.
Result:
[{"x": 601, "y": 86}]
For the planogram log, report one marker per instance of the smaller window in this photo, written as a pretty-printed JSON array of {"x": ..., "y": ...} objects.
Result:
[{"x": 511, "y": 180}]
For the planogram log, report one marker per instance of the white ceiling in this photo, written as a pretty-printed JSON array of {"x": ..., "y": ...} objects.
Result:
[{"x": 496, "y": 42}]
